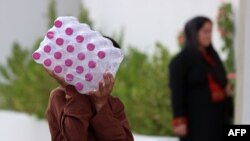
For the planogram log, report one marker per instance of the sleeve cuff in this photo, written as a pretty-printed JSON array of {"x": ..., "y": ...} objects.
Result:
[{"x": 178, "y": 121}]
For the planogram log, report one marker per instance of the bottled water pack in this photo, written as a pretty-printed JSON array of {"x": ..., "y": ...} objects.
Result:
[{"x": 78, "y": 54}]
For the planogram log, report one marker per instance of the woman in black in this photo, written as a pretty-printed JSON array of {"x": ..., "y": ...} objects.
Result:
[{"x": 199, "y": 86}]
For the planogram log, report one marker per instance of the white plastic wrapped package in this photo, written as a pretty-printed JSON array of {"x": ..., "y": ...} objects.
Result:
[{"x": 78, "y": 54}]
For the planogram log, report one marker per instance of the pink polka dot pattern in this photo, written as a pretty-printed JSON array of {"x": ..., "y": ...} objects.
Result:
[
  {"x": 58, "y": 23},
  {"x": 79, "y": 38},
  {"x": 47, "y": 48},
  {"x": 69, "y": 77},
  {"x": 88, "y": 77},
  {"x": 68, "y": 62},
  {"x": 79, "y": 69},
  {"x": 59, "y": 41},
  {"x": 58, "y": 55},
  {"x": 70, "y": 48},
  {"x": 101, "y": 54},
  {"x": 36, "y": 55},
  {"x": 47, "y": 62},
  {"x": 77, "y": 54},
  {"x": 81, "y": 56},
  {"x": 92, "y": 64},
  {"x": 79, "y": 86},
  {"x": 50, "y": 35},
  {"x": 58, "y": 69},
  {"x": 69, "y": 31},
  {"x": 90, "y": 47}
]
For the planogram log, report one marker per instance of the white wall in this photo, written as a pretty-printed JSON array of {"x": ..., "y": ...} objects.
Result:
[
  {"x": 243, "y": 66},
  {"x": 246, "y": 82},
  {"x": 25, "y": 20},
  {"x": 15, "y": 126},
  {"x": 144, "y": 21},
  {"x": 147, "y": 21}
]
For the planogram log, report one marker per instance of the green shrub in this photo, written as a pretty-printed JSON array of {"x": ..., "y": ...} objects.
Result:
[
  {"x": 26, "y": 85},
  {"x": 142, "y": 84}
]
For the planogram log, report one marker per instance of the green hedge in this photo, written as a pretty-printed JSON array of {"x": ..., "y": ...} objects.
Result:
[{"x": 142, "y": 84}]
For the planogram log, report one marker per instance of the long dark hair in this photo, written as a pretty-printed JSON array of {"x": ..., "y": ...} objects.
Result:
[
  {"x": 191, "y": 30},
  {"x": 115, "y": 44}
]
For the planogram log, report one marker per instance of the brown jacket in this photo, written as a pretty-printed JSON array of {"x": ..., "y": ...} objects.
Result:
[{"x": 75, "y": 119}]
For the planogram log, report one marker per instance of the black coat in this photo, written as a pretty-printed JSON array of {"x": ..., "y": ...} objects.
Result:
[{"x": 191, "y": 96}]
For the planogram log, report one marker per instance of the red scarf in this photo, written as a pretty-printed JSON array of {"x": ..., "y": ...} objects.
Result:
[{"x": 217, "y": 91}]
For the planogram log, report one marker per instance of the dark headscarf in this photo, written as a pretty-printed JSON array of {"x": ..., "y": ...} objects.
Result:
[{"x": 192, "y": 28}]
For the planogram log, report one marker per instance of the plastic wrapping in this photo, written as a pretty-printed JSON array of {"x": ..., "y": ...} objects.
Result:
[{"x": 78, "y": 54}]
